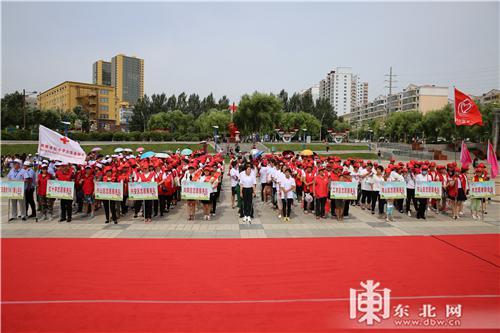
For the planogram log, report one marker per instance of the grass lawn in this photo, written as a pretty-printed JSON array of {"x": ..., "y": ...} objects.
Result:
[
  {"x": 313, "y": 146},
  {"x": 107, "y": 149}
]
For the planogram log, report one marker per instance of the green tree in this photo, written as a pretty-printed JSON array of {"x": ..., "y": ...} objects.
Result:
[
  {"x": 12, "y": 110},
  {"x": 176, "y": 122},
  {"x": 182, "y": 102},
  {"x": 141, "y": 115},
  {"x": 223, "y": 103},
  {"x": 307, "y": 103},
  {"x": 208, "y": 103},
  {"x": 172, "y": 103},
  {"x": 295, "y": 103},
  {"x": 323, "y": 111},
  {"x": 300, "y": 120},
  {"x": 283, "y": 96},
  {"x": 258, "y": 113},
  {"x": 194, "y": 105},
  {"x": 213, "y": 117}
]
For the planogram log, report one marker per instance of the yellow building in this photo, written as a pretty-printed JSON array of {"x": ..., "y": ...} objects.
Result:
[
  {"x": 127, "y": 77},
  {"x": 101, "y": 73},
  {"x": 98, "y": 100}
]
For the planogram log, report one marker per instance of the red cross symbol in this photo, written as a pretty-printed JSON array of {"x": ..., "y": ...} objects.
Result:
[{"x": 64, "y": 140}]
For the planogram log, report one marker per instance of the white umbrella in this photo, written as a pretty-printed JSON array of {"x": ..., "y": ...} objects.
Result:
[
  {"x": 96, "y": 149},
  {"x": 162, "y": 155},
  {"x": 118, "y": 150}
]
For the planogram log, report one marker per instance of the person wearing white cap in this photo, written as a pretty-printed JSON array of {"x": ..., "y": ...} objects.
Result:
[
  {"x": 29, "y": 189},
  {"x": 17, "y": 174}
]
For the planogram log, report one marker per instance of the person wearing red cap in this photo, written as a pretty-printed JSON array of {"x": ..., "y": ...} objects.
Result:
[
  {"x": 86, "y": 183},
  {"x": 189, "y": 176},
  {"x": 287, "y": 189},
  {"x": 462, "y": 189},
  {"x": 320, "y": 190},
  {"x": 366, "y": 190},
  {"x": 207, "y": 178},
  {"x": 308, "y": 180},
  {"x": 47, "y": 204},
  {"x": 423, "y": 176},
  {"x": 109, "y": 204},
  {"x": 476, "y": 203},
  {"x": 124, "y": 176},
  {"x": 147, "y": 175},
  {"x": 65, "y": 173}
]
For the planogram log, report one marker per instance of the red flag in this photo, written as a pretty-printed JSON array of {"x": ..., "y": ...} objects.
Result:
[
  {"x": 233, "y": 108},
  {"x": 466, "y": 111},
  {"x": 492, "y": 160},
  {"x": 465, "y": 155}
]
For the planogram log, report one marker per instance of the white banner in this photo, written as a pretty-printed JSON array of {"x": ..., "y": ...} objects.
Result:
[{"x": 57, "y": 147}]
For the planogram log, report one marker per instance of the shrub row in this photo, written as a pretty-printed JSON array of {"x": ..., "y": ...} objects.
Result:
[{"x": 107, "y": 136}]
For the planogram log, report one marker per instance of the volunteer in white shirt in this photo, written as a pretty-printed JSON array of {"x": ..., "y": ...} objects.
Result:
[
  {"x": 263, "y": 178},
  {"x": 366, "y": 189},
  {"x": 287, "y": 189},
  {"x": 376, "y": 181},
  {"x": 247, "y": 192},
  {"x": 410, "y": 189},
  {"x": 234, "y": 175},
  {"x": 422, "y": 202}
]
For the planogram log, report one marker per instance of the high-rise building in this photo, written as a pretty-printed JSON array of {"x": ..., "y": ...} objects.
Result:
[
  {"x": 343, "y": 89},
  {"x": 101, "y": 73},
  {"x": 314, "y": 91},
  {"x": 97, "y": 100},
  {"x": 127, "y": 78}
]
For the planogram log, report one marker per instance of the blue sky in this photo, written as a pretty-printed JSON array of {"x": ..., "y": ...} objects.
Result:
[{"x": 237, "y": 48}]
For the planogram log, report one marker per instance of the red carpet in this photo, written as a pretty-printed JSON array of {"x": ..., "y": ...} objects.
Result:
[{"x": 213, "y": 272}]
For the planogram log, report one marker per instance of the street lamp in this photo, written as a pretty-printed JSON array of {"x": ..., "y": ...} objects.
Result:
[
  {"x": 66, "y": 125},
  {"x": 304, "y": 140},
  {"x": 26, "y": 93},
  {"x": 216, "y": 130}
]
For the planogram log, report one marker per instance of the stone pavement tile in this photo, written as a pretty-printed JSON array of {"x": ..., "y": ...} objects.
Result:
[
  {"x": 205, "y": 234},
  {"x": 179, "y": 234},
  {"x": 300, "y": 233},
  {"x": 228, "y": 234},
  {"x": 277, "y": 234},
  {"x": 131, "y": 234}
]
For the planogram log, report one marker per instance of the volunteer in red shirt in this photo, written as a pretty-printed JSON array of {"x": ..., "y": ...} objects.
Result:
[
  {"x": 320, "y": 190},
  {"x": 109, "y": 204},
  {"x": 47, "y": 204},
  {"x": 86, "y": 183},
  {"x": 123, "y": 176},
  {"x": 65, "y": 173},
  {"x": 308, "y": 180}
]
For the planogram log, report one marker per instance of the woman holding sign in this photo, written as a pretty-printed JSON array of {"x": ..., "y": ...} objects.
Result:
[
  {"x": 208, "y": 178},
  {"x": 109, "y": 204},
  {"x": 147, "y": 175}
]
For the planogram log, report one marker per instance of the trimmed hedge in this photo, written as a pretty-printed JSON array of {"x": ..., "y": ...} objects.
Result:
[{"x": 108, "y": 136}]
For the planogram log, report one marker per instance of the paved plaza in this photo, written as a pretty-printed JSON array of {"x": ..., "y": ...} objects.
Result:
[{"x": 266, "y": 224}]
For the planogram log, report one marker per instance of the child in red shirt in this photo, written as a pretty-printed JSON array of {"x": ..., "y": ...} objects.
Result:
[
  {"x": 47, "y": 204},
  {"x": 87, "y": 183}
]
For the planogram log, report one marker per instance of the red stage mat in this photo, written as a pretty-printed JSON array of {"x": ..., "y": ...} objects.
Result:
[{"x": 235, "y": 285}]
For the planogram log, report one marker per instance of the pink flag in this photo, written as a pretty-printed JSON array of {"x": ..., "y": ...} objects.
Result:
[
  {"x": 464, "y": 155},
  {"x": 492, "y": 160}
]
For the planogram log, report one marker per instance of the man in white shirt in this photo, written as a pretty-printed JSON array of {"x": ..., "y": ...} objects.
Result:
[
  {"x": 263, "y": 178},
  {"x": 422, "y": 202},
  {"x": 410, "y": 190},
  {"x": 366, "y": 188}
]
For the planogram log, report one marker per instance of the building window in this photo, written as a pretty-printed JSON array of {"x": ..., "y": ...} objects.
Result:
[
  {"x": 104, "y": 99},
  {"x": 104, "y": 108},
  {"x": 103, "y": 91}
]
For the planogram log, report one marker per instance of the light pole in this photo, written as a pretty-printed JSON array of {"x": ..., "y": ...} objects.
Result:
[
  {"x": 304, "y": 141},
  {"x": 216, "y": 130},
  {"x": 66, "y": 125},
  {"x": 26, "y": 93}
]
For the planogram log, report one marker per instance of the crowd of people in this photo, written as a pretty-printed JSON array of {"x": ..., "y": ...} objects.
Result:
[
  {"x": 281, "y": 181},
  {"x": 308, "y": 180}
]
